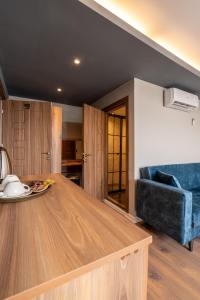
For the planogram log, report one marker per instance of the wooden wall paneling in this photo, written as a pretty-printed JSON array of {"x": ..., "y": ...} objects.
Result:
[
  {"x": 56, "y": 139},
  {"x": 35, "y": 139},
  {"x": 26, "y": 135},
  {"x": 94, "y": 150},
  {"x": 16, "y": 133},
  {"x": 46, "y": 137}
]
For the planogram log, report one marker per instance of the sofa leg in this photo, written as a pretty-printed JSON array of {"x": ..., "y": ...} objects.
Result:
[{"x": 191, "y": 245}]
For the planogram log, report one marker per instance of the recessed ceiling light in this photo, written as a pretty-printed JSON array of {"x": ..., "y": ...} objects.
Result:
[
  {"x": 59, "y": 90},
  {"x": 77, "y": 61}
]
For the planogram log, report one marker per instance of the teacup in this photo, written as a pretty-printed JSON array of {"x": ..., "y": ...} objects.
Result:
[
  {"x": 9, "y": 178},
  {"x": 14, "y": 188}
]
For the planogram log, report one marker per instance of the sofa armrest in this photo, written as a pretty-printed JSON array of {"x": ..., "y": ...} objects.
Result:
[{"x": 166, "y": 208}]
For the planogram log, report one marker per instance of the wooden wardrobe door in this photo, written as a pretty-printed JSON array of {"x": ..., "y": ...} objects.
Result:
[
  {"x": 16, "y": 133},
  {"x": 94, "y": 151},
  {"x": 27, "y": 136},
  {"x": 40, "y": 137}
]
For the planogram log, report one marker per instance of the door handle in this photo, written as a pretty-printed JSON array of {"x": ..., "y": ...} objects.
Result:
[
  {"x": 48, "y": 155},
  {"x": 85, "y": 156}
]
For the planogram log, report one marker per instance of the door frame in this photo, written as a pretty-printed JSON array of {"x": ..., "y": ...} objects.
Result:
[{"x": 117, "y": 104}]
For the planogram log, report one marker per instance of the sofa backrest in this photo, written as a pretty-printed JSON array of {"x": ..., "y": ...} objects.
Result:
[{"x": 187, "y": 174}]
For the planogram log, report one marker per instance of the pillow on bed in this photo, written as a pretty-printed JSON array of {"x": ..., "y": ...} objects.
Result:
[{"x": 167, "y": 179}]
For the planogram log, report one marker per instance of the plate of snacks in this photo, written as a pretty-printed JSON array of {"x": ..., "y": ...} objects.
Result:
[{"x": 39, "y": 186}]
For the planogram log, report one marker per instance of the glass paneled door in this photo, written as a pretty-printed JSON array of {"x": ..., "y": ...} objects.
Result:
[
  {"x": 116, "y": 153},
  {"x": 117, "y": 157}
]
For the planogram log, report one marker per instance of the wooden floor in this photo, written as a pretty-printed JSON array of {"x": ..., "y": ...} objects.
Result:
[{"x": 174, "y": 272}]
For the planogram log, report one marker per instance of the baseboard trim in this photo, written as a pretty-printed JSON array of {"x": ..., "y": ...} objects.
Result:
[{"x": 130, "y": 217}]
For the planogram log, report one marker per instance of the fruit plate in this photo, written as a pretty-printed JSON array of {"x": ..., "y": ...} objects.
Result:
[
  {"x": 26, "y": 196},
  {"x": 38, "y": 186}
]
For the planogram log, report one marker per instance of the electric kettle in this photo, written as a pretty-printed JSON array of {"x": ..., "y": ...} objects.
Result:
[{"x": 5, "y": 163}]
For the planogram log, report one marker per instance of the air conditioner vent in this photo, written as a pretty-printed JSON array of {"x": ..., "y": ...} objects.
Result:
[{"x": 178, "y": 99}]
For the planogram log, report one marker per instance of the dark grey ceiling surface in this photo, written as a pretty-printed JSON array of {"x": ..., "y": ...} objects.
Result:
[{"x": 40, "y": 38}]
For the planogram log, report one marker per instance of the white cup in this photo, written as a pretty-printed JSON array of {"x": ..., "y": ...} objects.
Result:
[
  {"x": 14, "y": 188},
  {"x": 9, "y": 178}
]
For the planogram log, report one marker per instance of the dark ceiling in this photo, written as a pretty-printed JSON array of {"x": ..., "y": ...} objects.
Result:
[{"x": 40, "y": 38}]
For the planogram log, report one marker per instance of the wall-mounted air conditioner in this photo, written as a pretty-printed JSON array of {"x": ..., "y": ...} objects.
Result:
[{"x": 178, "y": 99}]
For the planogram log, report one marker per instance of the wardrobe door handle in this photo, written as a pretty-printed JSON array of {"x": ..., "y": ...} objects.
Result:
[
  {"x": 85, "y": 156},
  {"x": 48, "y": 155}
]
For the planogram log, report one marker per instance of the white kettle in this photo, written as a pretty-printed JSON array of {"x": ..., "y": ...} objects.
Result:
[{"x": 5, "y": 163}]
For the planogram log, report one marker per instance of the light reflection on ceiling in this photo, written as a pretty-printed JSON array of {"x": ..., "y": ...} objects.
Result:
[{"x": 173, "y": 25}]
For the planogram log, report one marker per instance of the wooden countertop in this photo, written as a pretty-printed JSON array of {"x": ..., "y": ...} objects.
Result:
[{"x": 50, "y": 240}]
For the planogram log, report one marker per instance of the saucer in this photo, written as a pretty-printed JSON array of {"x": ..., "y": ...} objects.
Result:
[{"x": 17, "y": 196}]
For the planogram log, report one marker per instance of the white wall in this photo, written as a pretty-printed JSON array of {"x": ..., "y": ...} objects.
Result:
[
  {"x": 126, "y": 89},
  {"x": 162, "y": 135},
  {"x": 159, "y": 135},
  {"x": 72, "y": 113}
]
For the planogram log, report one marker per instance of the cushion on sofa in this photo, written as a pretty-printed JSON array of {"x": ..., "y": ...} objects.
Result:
[
  {"x": 167, "y": 179},
  {"x": 195, "y": 215},
  {"x": 187, "y": 174},
  {"x": 195, "y": 207}
]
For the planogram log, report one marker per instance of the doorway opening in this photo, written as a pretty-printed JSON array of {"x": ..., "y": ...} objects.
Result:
[
  {"x": 72, "y": 146},
  {"x": 117, "y": 154}
]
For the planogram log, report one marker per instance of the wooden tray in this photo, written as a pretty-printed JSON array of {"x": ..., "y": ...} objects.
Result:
[{"x": 24, "y": 198}]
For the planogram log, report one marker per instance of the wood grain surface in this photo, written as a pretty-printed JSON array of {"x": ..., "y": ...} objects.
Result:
[
  {"x": 113, "y": 281},
  {"x": 53, "y": 239},
  {"x": 56, "y": 117},
  {"x": 94, "y": 148},
  {"x": 27, "y": 135},
  {"x": 173, "y": 270},
  {"x": 71, "y": 163}
]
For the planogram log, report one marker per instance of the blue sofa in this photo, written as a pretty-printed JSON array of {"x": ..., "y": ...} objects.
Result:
[{"x": 168, "y": 199}]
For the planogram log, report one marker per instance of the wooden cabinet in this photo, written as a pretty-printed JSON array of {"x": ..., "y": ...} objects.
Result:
[
  {"x": 79, "y": 149},
  {"x": 27, "y": 136},
  {"x": 123, "y": 278},
  {"x": 72, "y": 131},
  {"x": 67, "y": 245}
]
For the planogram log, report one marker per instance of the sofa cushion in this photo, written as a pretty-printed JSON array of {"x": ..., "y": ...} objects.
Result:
[
  {"x": 187, "y": 174},
  {"x": 195, "y": 215},
  {"x": 195, "y": 195},
  {"x": 195, "y": 207},
  {"x": 166, "y": 178}
]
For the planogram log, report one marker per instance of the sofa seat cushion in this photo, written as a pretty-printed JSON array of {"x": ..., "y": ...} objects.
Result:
[
  {"x": 195, "y": 194},
  {"x": 195, "y": 207},
  {"x": 195, "y": 215}
]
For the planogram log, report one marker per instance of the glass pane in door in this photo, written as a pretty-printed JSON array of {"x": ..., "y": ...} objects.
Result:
[{"x": 116, "y": 157}]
